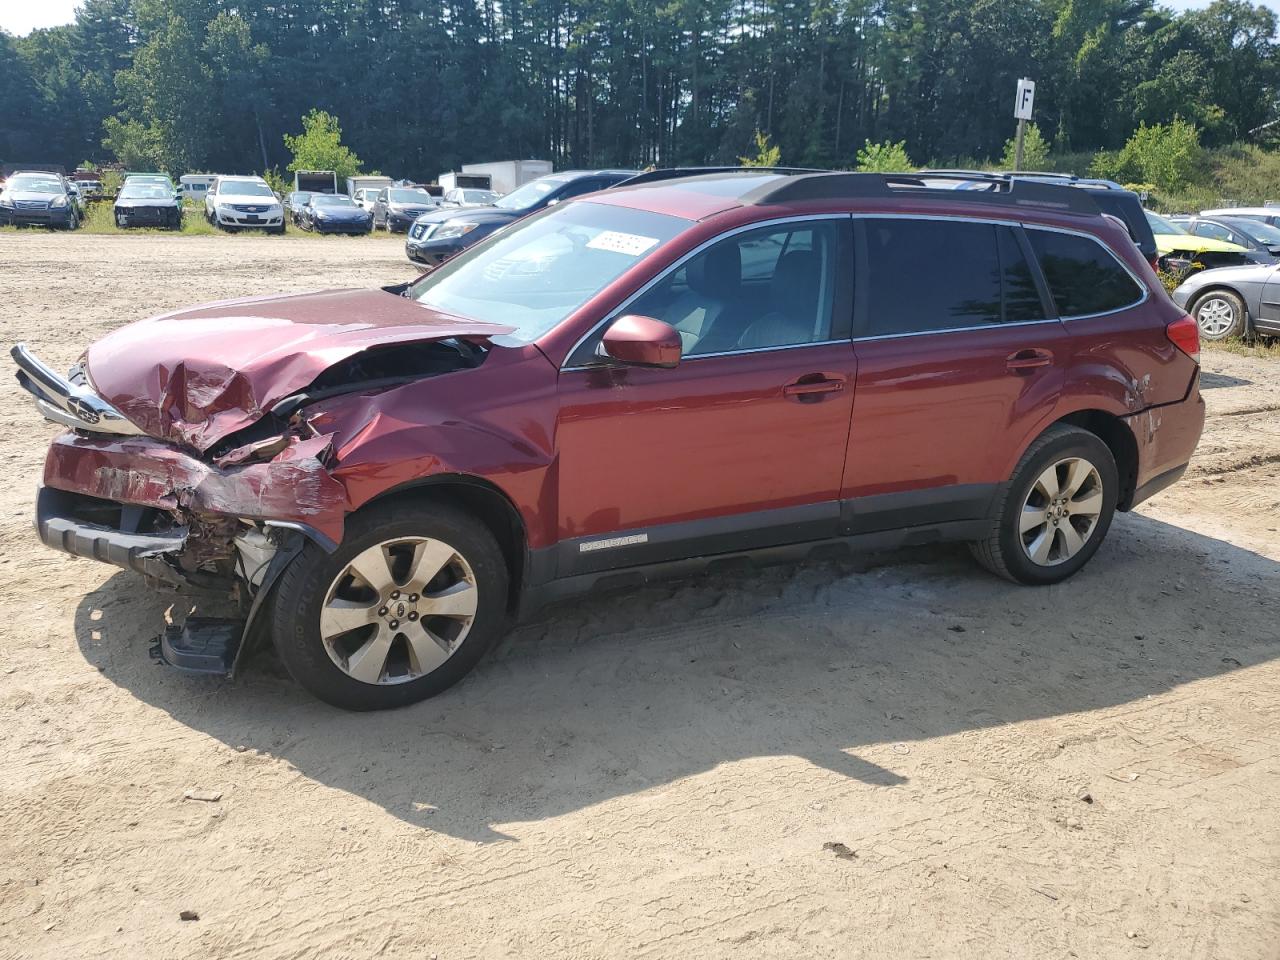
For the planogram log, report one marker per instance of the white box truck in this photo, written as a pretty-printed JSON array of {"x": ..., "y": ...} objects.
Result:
[
  {"x": 506, "y": 175},
  {"x": 315, "y": 181},
  {"x": 365, "y": 183},
  {"x": 467, "y": 181}
]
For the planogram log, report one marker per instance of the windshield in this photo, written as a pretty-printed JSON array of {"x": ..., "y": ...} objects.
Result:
[
  {"x": 34, "y": 183},
  {"x": 301, "y": 196},
  {"x": 526, "y": 196},
  {"x": 534, "y": 274},
  {"x": 245, "y": 188},
  {"x": 479, "y": 196},
  {"x": 1160, "y": 225},
  {"x": 1259, "y": 231},
  {"x": 144, "y": 191},
  {"x": 331, "y": 200},
  {"x": 410, "y": 196}
]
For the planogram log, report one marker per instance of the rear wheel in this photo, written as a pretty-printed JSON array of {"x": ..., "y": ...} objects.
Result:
[
  {"x": 1056, "y": 510},
  {"x": 1220, "y": 314},
  {"x": 401, "y": 611}
]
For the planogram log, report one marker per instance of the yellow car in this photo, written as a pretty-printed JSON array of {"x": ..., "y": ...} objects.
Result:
[{"x": 1176, "y": 244}]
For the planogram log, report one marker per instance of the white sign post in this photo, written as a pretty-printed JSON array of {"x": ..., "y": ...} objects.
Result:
[{"x": 1022, "y": 107}]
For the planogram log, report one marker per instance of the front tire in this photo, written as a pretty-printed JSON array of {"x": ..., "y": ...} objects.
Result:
[
  {"x": 1056, "y": 510},
  {"x": 1220, "y": 314},
  {"x": 402, "y": 610}
]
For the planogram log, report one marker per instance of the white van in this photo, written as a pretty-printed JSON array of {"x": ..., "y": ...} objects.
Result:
[{"x": 195, "y": 185}]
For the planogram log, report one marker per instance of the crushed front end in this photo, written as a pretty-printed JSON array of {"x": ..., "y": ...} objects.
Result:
[{"x": 225, "y": 521}]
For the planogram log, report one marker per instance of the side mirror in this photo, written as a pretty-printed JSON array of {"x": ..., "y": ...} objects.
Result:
[{"x": 641, "y": 342}]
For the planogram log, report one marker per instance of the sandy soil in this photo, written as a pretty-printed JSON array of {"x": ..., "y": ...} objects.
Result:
[{"x": 659, "y": 774}]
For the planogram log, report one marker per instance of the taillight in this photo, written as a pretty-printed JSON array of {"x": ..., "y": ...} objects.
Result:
[{"x": 1185, "y": 335}]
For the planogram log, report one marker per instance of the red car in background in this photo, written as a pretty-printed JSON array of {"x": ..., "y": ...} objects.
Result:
[{"x": 648, "y": 379}]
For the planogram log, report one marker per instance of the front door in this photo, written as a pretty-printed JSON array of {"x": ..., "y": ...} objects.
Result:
[
  {"x": 958, "y": 358},
  {"x": 741, "y": 445}
]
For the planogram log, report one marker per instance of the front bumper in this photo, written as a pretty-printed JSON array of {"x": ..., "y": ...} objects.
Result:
[
  {"x": 35, "y": 217},
  {"x": 354, "y": 227},
  {"x": 432, "y": 252},
  {"x": 74, "y": 524},
  {"x": 293, "y": 490},
  {"x": 148, "y": 216},
  {"x": 249, "y": 220}
]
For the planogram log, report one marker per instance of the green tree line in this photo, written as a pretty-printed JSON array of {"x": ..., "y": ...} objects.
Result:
[{"x": 421, "y": 86}]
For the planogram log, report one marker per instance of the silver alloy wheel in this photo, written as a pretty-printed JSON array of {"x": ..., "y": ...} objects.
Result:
[
  {"x": 399, "y": 610},
  {"x": 1215, "y": 316},
  {"x": 1061, "y": 511}
]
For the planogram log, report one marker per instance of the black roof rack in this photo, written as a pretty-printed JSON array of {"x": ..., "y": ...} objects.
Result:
[
  {"x": 680, "y": 173},
  {"x": 1000, "y": 190}
]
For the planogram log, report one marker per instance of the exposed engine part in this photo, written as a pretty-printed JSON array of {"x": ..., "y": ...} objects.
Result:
[{"x": 256, "y": 551}]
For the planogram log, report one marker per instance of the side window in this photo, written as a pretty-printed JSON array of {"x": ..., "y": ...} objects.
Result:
[
  {"x": 930, "y": 275},
  {"x": 1022, "y": 302},
  {"x": 1084, "y": 277},
  {"x": 771, "y": 287},
  {"x": 579, "y": 187},
  {"x": 1213, "y": 231}
]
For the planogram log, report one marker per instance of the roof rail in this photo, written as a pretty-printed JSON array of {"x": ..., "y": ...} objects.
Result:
[
  {"x": 680, "y": 173},
  {"x": 1000, "y": 190}
]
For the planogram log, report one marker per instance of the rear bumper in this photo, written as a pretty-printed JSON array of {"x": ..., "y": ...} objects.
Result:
[{"x": 1167, "y": 437}]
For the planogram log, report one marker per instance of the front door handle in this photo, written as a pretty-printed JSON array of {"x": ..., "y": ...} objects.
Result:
[
  {"x": 1025, "y": 361},
  {"x": 811, "y": 387}
]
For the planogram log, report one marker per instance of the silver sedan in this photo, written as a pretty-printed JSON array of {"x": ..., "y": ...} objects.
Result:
[{"x": 1231, "y": 301}]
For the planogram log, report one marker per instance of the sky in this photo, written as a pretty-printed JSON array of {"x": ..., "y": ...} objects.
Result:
[{"x": 20, "y": 17}]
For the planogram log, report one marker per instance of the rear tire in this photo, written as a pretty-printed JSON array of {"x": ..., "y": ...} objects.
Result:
[
  {"x": 399, "y": 651},
  {"x": 1220, "y": 314},
  {"x": 1055, "y": 511}
]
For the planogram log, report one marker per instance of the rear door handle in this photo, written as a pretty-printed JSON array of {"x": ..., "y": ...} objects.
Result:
[
  {"x": 811, "y": 387},
  {"x": 1027, "y": 360}
]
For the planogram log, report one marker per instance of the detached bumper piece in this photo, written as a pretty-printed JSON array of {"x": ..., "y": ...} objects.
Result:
[
  {"x": 61, "y": 523},
  {"x": 202, "y": 645}
]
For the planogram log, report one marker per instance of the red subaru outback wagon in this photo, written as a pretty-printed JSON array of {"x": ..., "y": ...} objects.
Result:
[{"x": 658, "y": 376}]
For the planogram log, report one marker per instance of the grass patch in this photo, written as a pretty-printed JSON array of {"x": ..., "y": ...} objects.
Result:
[{"x": 1266, "y": 348}]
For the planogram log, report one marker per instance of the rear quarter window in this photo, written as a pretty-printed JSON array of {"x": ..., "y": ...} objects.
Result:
[{"x": 1083, "y": 276}]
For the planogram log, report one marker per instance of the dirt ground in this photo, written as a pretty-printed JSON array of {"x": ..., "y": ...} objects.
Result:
[{"x": 1086, "y": 770}]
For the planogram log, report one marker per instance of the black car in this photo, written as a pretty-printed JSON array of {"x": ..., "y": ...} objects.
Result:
[
  {"x": 1111, "y": 198},
  {"x": 334, "y": 213},
  {"x": 396, "y": 208},
  {"x": 146, "y": 204},
  {"x": 435, "y": 237},
  {"x": 1261, "y": 238},
  {"x": 38, "y": 198},
  {"x": 294, "y": 203}
]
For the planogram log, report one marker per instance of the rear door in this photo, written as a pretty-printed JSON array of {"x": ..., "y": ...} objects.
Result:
[{"x": 959, "y": 356}]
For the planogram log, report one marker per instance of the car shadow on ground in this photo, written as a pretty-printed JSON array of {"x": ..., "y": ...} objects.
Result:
[
  {"x": 1216, "y": 381},
  {"x": 628, "y": 692}
]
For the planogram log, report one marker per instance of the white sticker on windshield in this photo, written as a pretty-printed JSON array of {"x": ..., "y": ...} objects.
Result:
[{"x": 629, "y": 243}]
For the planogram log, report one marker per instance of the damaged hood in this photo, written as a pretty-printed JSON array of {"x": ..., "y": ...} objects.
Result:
[{"x": 195, "y": 376}]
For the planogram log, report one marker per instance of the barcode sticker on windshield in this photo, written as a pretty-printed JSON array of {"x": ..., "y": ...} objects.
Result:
[{"x": 629, "y": 243}]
